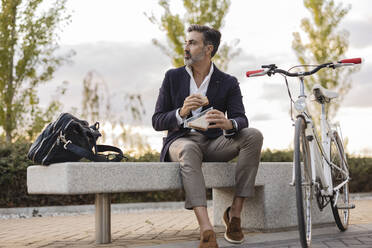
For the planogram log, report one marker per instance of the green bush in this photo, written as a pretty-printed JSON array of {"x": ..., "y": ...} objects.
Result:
[
  {"x": 277, "y": 156},
  {"x": 360, "y": 168},
  {"x": 14, "y": 163},
  {"x": 361, "y": 174},
  {"x": 13, "y": 183}
]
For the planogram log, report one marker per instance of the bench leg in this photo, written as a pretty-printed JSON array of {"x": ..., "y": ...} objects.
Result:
[
  {"x": 273, "y": 208},
  {"x": 253, "y": 213},
  {"x": 103, "y": 218}
]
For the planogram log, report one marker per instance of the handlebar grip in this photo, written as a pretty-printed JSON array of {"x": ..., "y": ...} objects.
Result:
[
  {"x": 351, "y": 61},
  {"x": 252, "y": 73}
]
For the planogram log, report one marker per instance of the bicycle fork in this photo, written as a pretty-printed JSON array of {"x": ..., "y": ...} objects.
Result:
[{"x": 316, "y": 161}]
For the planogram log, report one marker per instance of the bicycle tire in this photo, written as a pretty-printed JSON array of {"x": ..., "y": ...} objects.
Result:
[
  {"x": 337, "y": 156},
  {"x": 303, "y": 182}
]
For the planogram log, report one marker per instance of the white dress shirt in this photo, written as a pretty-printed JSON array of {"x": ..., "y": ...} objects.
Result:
[
  {"x": 194, "y": 89},
  {"x": 201, "y": 90}
]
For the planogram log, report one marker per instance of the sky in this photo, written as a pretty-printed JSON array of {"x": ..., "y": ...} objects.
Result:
[{"x": 112, "y": 38}]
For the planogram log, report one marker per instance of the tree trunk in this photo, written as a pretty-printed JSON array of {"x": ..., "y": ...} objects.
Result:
[
  {"x": 9, "y": 96},
  {"x": 8, "y": 137}
]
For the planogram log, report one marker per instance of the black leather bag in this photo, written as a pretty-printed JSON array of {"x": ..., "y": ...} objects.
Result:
[{"x": 69, "y": 139}]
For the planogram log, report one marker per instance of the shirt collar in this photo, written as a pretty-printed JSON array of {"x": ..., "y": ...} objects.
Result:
[{"x": 189, "y": 70}]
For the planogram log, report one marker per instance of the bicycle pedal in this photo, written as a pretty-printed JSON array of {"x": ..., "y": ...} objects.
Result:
[{"x": 344, "y": 206}]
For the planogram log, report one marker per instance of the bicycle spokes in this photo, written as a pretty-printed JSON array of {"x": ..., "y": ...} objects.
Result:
[{"x": 340, "y": 199}]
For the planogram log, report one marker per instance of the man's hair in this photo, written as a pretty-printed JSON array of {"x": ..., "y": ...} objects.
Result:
[{"x": 211, "y": 36}]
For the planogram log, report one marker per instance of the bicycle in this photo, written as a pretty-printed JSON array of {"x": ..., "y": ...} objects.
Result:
[{"x": 320, "y": 168}]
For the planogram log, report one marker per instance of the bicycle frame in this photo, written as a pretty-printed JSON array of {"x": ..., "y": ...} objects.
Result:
[{"x": 320, "y": 153}]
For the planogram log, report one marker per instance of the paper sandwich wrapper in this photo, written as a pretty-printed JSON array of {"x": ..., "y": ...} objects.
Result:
[{"x": 198, "y": 122}]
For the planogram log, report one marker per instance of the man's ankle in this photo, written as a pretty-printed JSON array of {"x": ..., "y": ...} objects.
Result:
[
  {"x": 205, "y": 228},
  {"x": 234, "y": 213}
]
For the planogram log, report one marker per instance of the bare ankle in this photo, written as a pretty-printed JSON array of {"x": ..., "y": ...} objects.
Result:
[
  {"x": 203, "y": 229},
  {"x": 203, "y": 219},
  {"x": 234, "y": 212}
]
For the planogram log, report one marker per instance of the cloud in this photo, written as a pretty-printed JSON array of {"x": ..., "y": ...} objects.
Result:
[
  {"x": 245, "y": 62},
  {"x": 359, "y": 96},
  {"x": 277, "y": 94},
  {"x": 361, "y": 88},
  {"x": 240, "y": 64},
  {"x": 274, "y": 92},
  {"x": 261, "y": 117},
  {"x": 360, "y": 32},
  {"x": 125, "y": 67}
]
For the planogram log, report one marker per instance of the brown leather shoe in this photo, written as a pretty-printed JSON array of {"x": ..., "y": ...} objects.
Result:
[
  {"x": 208, "y": 240},
  {"x": 233, "y": 232}
]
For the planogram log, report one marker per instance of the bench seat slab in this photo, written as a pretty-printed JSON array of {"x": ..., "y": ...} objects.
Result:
[{"x": 274, "y": 205}]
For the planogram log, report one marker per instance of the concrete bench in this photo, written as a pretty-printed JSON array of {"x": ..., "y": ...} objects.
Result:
[{"x": 272, "y": 208}]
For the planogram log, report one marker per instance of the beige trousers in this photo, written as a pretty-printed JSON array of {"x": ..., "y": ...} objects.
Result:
[{"x": 194, "y": 148}]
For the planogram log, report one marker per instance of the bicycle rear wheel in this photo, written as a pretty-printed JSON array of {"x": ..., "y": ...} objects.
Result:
[
  {"x": 339, "y": 203},
  {"x": 303, "y": 182}
]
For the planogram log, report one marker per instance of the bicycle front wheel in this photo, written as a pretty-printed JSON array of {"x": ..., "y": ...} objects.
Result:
[
  {"x": 303, "y": 182},
  {"x": 340, "y": 174}
]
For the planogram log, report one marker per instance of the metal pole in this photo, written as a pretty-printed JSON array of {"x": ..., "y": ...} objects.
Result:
[{"x": 103, "y": 219}]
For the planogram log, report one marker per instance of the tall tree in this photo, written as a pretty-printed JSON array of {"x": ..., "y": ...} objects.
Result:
[
  {"x": 324, "y": 43},
  {"x": 203, "y": 12},
  {"x": 28, "y": 41}
]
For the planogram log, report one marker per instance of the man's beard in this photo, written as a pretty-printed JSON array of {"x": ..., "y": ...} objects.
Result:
[{"x": 193, "y": 59}]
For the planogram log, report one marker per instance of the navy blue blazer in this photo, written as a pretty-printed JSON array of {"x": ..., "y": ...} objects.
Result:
[{"x": 223, "y": 94}]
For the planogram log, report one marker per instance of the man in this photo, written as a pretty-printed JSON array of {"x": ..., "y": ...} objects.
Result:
[{"x": 180, "y": 97}]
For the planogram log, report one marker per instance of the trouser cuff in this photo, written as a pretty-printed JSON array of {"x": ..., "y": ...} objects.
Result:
[{"x": 197, "y": 202}]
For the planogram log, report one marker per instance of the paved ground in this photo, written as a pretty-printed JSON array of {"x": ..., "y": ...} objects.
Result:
[
  {"x": 172, "y": 228},
  {"x": 358, "y": 235}
]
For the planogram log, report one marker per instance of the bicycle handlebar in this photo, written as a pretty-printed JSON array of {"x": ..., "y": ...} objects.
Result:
[
  {"x": 352, "y": 61},
  {"x": 255, "y": 73},
  {"x": 272, "y": 69}
]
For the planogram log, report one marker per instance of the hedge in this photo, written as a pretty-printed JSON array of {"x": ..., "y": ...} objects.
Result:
[{"x": 14, "y": 163}]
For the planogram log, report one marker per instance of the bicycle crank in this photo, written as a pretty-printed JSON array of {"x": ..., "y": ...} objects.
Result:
[{"x": 321, "y": 200}]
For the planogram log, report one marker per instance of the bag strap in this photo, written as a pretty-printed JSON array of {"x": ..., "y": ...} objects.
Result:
[
  {"x": 106, "y": 148},
  {"x": 95, "y": 157}
]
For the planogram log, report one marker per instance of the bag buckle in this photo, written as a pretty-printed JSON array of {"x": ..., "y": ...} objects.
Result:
[
  {"x": 62, "y": 137},
  {"x": 65, "y": 145}
]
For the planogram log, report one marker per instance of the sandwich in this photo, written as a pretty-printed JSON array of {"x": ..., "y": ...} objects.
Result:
[
  {"x": 200, "y": 123},
  {"x": 205, "y": 101},
  {"x": 203, "y": 98}
]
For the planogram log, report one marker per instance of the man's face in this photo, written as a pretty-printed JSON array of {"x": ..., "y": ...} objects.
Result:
[{"x": 195, "y": 50}]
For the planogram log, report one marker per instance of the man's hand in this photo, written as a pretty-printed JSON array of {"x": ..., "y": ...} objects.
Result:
[
  {"x": 192, "y": 102},
  {"x": 218, "y": 119}
]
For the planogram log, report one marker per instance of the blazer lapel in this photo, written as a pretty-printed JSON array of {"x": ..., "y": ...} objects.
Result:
[
  {"x": 213, "y": 86},
  {"x": 184, "y": 87}
]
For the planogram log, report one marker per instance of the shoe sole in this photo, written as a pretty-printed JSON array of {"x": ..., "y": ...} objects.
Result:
[{"x": 230, "y": 240}]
